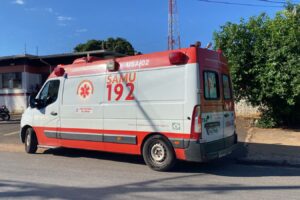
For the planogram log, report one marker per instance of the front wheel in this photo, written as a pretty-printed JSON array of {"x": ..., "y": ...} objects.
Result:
[
  {"x": 158, "y": 153},
  {"x": 30, "y": 141}
]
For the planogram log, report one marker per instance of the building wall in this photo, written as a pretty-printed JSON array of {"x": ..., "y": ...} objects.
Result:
[
  {"x": 16, "y": 102},
  {"x": 16, "y": 99}
]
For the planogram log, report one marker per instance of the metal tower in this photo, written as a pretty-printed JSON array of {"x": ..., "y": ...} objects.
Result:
[{"x": 173, "y": 32}]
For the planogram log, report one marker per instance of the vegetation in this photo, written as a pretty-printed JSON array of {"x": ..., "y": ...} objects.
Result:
[
  {"x": 119, "y": 45},
  {"x": 264, "y": 55}
]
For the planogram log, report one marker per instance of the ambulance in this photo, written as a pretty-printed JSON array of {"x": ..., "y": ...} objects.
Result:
[{"x": 166, "y": 106}]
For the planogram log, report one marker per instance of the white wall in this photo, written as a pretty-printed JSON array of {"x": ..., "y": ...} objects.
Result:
[
  {"x": 16, "y": 99},
  {"x": 15, "y": 104}
]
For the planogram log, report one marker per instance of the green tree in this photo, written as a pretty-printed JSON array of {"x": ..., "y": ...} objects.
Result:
[
  {"x": 119, "y": 45},
  {"x": 264, "y": 59}
]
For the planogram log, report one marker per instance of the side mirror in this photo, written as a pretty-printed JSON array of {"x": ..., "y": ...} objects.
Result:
[
  {"x": 32, "y": 102},
  {"x": 35, "y": 103}
]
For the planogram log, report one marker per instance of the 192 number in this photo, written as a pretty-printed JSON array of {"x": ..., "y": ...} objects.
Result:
[{"x": 118, "y": 90}]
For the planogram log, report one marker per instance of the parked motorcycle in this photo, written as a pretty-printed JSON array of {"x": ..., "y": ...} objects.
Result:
[{"x": 4, "y": 113}]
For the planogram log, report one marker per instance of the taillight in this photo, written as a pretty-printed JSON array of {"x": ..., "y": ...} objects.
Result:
[
  {"x": 196, "y": 124},
  {"x": 177, "y": 58}
]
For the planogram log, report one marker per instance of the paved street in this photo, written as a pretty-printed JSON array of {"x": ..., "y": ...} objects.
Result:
[
  {"x": 9, "y": 131},
  {"x": 72, "y": 174},
  {"x": 76, "y": 174}
]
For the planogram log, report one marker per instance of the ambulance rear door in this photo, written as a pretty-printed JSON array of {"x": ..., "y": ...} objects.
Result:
[{"x": 211, "y": 107}]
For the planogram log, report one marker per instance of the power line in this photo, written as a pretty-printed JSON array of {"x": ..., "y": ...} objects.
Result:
[
  {"x": 277, "y": 2},
  {"x": 270, "y": 1},
  {"x": 239, "y": 4}
]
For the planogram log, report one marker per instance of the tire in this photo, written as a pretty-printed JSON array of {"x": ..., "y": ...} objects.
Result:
[
  {"x": 6, "y": 117},
  {"x": 30, "y": 141},
  {"x": 158, "y": 153}
]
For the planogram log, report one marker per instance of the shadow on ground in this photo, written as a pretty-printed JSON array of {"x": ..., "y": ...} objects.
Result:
[
  {"x": 229, "y": 166},
  {"x": 157, "y": 187}
]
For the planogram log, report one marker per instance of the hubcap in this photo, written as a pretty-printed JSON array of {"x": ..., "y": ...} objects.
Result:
[
  {"x": 28, "y": 139},
  {"x": 158, "y": 152}
]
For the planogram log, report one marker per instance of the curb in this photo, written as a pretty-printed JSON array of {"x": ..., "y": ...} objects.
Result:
[
  {"x": 283, "y": 163},
  {"x": 13, "y": 148},
  {"x": 264, "y": 161}
]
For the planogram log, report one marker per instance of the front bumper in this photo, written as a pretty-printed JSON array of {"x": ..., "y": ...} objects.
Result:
[{"x": 202, "y": 152}]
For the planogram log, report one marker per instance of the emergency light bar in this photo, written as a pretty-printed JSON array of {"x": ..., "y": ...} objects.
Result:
[
  {"x": 59, "y": 71},
  {"x": 177, "y": 58}
]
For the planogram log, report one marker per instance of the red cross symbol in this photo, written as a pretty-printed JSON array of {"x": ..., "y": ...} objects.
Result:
[{"x": 85, "y": 91}]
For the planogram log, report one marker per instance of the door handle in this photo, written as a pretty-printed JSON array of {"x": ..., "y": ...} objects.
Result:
[{"x": 53, "y": 113}]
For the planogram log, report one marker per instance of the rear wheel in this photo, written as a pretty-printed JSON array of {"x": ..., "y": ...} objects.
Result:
[
  {"x": 6, "y": 117},
  {"x": 158, "y": 153},
  {"x": 30, "y": 141}
]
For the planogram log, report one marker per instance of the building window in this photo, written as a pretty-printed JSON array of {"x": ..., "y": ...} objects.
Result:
[{"x": 11, "y": 80}]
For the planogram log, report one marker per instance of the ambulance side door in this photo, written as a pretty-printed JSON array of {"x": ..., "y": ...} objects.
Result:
[{"x": 81, "y": 112}]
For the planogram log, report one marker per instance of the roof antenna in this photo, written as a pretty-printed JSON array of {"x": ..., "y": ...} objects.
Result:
[
  {"x": 208, "y": 45},
  {"x": 88, "y": 58},
  {"x": 25, "y": 48},
  {"x": 102, "y": 45}
]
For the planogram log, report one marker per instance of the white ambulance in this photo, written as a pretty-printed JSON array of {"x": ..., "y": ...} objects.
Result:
[{"x": 164, "y": 106}]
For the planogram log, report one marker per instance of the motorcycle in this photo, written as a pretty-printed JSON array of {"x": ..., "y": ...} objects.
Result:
[{"x": 4, "y": 113}]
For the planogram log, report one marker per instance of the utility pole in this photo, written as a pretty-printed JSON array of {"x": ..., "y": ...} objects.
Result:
[{"x": 173, "y": 30}]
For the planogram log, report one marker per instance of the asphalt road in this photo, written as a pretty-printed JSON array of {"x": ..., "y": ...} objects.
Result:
[
  {"x": 9, "y": 131},
  {"x": 75, "y": 174}
]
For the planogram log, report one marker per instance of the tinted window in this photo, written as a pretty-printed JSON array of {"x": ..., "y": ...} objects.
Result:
[
  {"x": 49, "y": 92},
  {"x": 226, "y": 87},
  {"x": 211, "y": 85}
]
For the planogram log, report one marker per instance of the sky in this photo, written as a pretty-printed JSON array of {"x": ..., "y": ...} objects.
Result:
[{"x": 47, "y": 27}]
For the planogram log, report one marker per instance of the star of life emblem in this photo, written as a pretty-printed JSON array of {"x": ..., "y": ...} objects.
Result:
[{"x": 85, "y": 89}]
